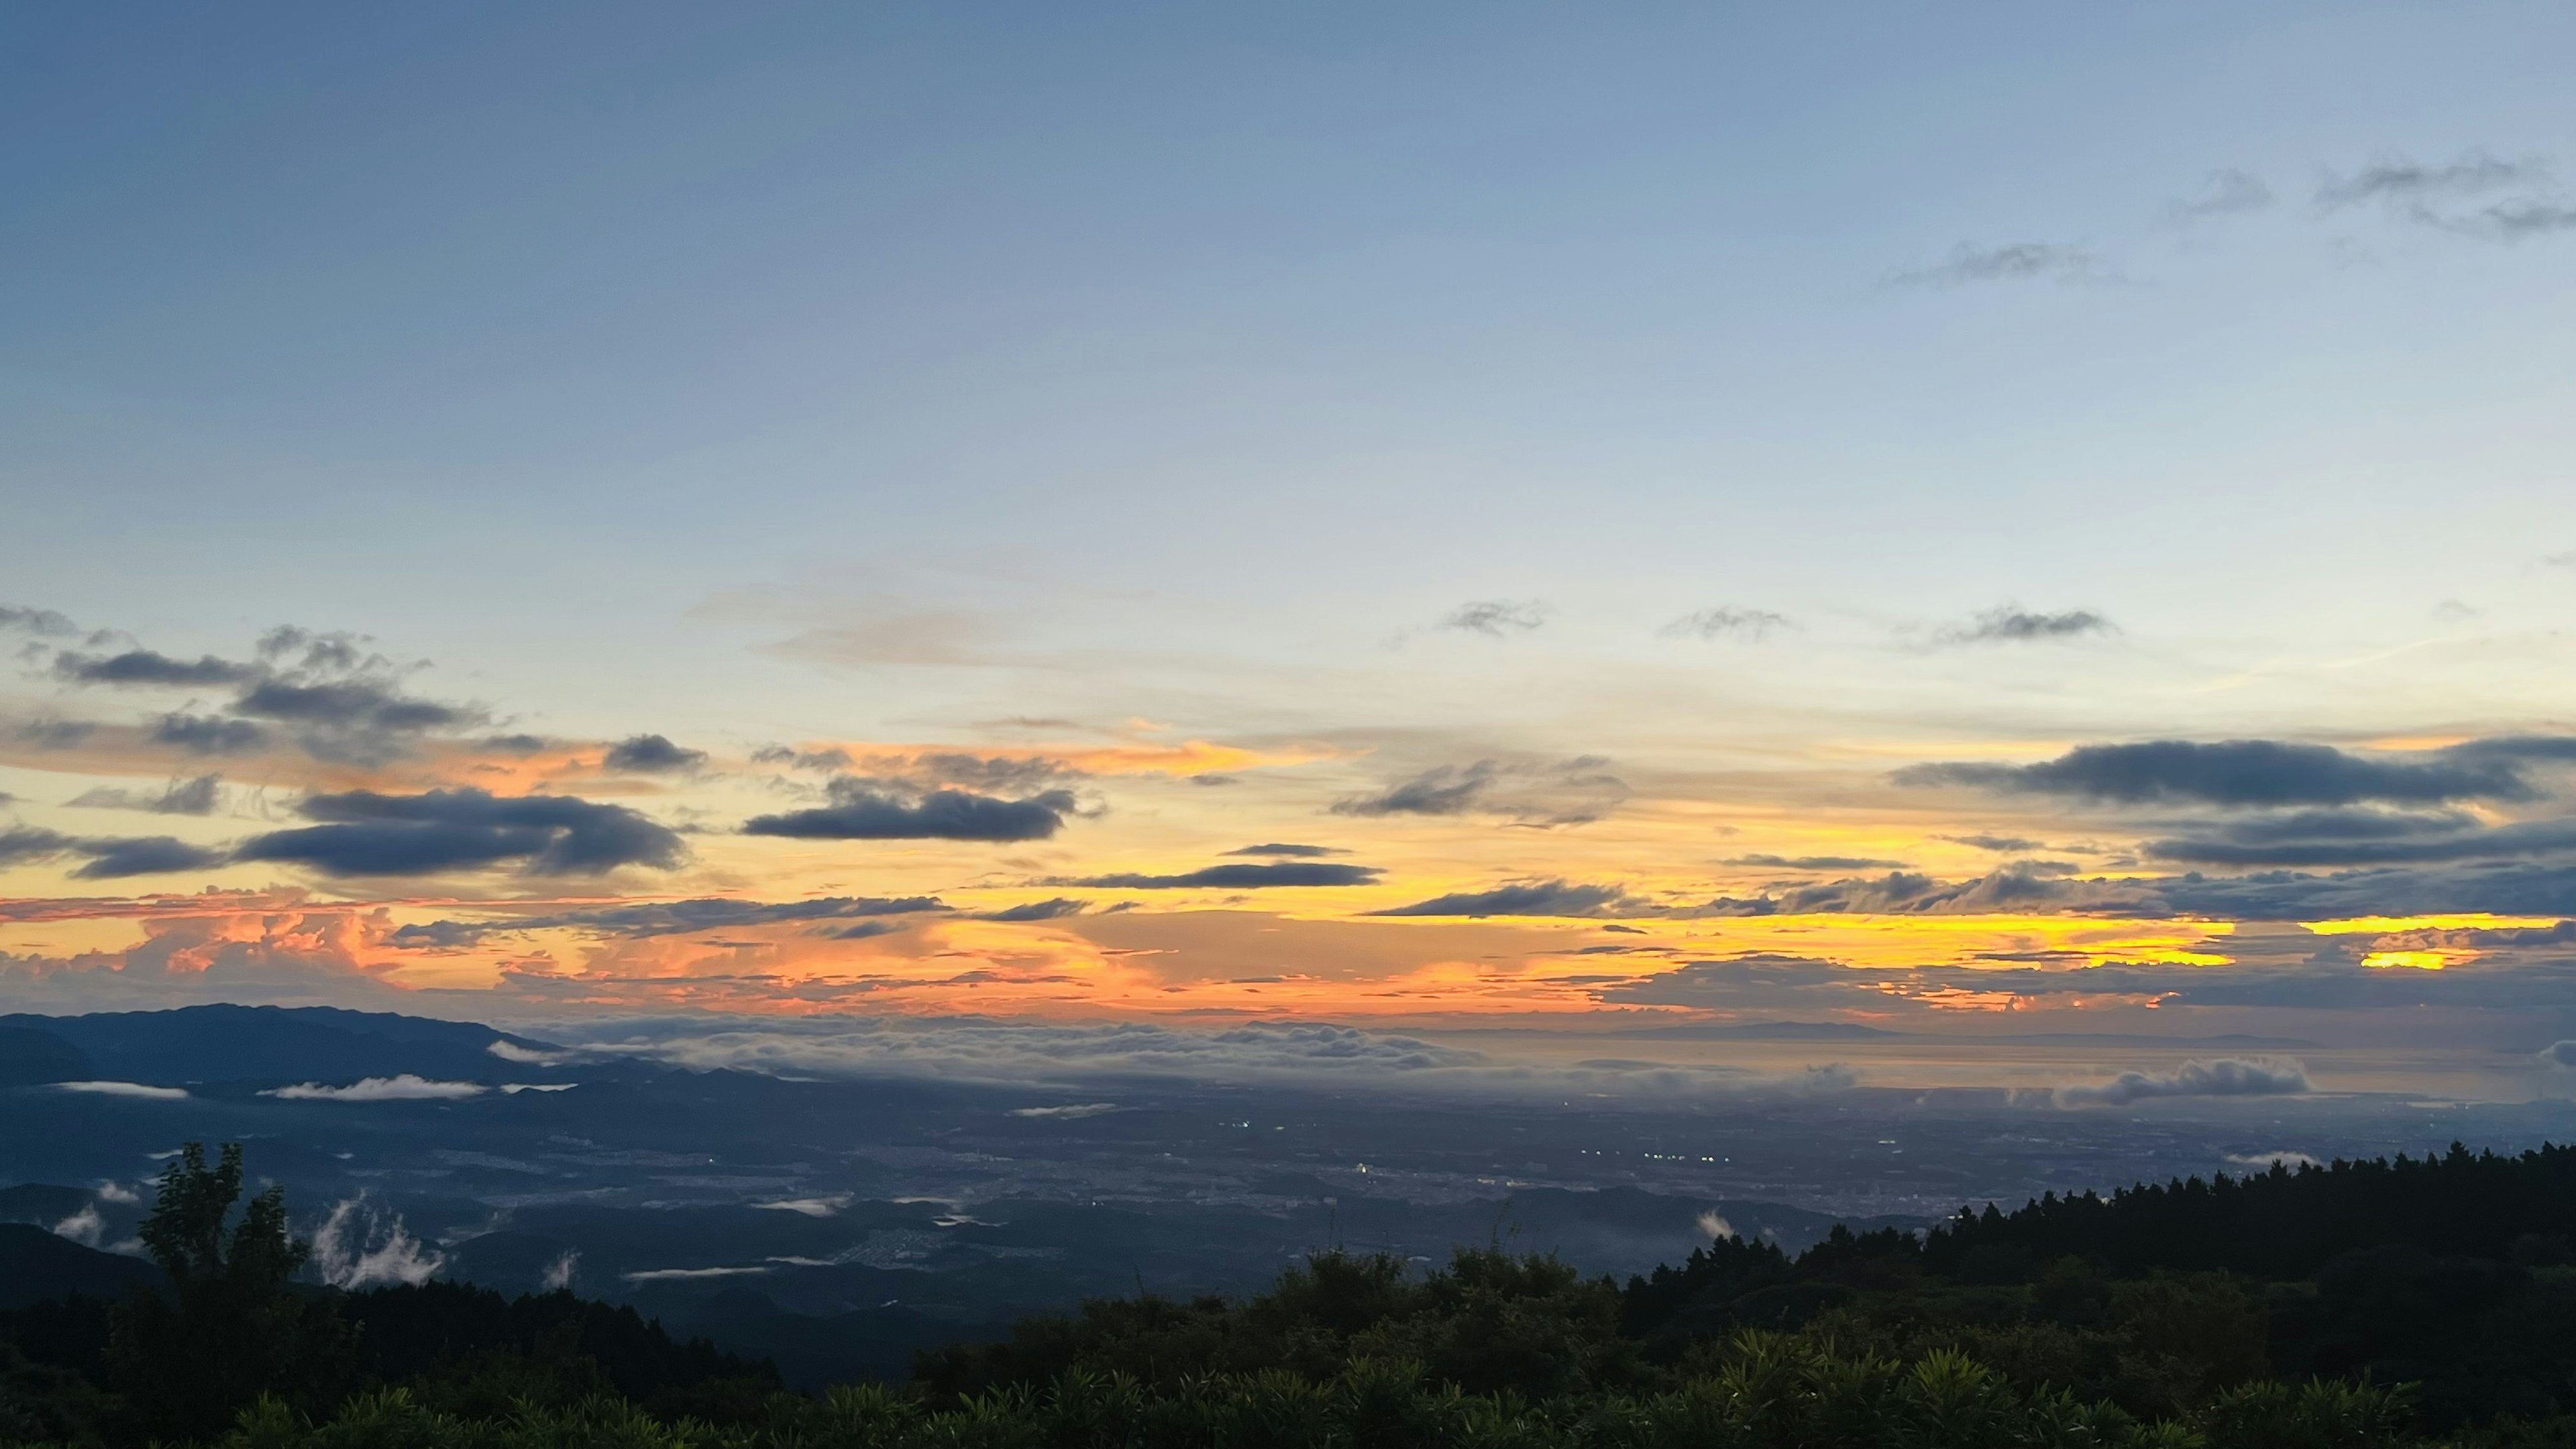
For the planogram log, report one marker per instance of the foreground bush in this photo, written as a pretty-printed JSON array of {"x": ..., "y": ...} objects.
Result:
[{"x": 1767, "y": 1392}]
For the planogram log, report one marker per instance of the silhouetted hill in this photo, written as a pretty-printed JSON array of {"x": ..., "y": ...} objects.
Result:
[
  {"x": 30, "y": 1054},
  {"x": 267, "y": 1043},
  {"x": 43, "y": 1204},
  {"x": 36, "y": 1265}
]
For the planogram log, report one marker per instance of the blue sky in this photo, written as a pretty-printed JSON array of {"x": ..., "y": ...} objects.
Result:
[{"x": 1108, "y": 378}]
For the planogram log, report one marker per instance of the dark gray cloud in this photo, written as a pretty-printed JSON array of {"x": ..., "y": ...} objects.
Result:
[
  {"x": 865, "y": 929},
  {"x": 2515, "y": 220},
  {"x": 332, "y": 651},
  {"x": 1969, "y": 264},
  {"x": 2001, "y": 844},
  {"x": 828, "y": 758},
  {"x": 671, "y": 918},
  {"x": 1499, "y": 618},
  {"x": 2228, "y": 192},
  {"x": 195, "y": 796},
  {"x": 109, "y": 857},
  {"x": 1239, "y": 877},
  {"x": 2241, "y": 773},
  {"x": 1815, "y": 862},
  {"x": 369, "y": 834},
  {"x": 149, "y": 667},
  {"x": 353, "y": 705},
  {"x": 2012, "y": 624},
  {"x": 1755, "y": 980},
  {"x": 207, "y": 735},
  {"x": 36, "y": 621},
  {"x": 2398, "y": 179},
  {"x": 2559, "y": 1054},
  {"x": 512, "y": 744},
  {"x": 2364, "y": 838},
  {"x": 2021, "y": 886},
  {"x": 1440, "y": 790},
  {"x": 1569, "y": 792},
  {"x": 1047, "y": 910},
  {"x": 1750, "y": 625},
  {"x": 1527, "y": 898},
  {"x": 2504, "y": 888},
  {"x": 2219, "y": 1077},
  {"x": 2434, "y": 195},
  {"x": 650, "y": 755},
  {"x": 325, "y": 691},
  {"x": 149, "y": 855},
  {"x": 55, "y": 734},
  {"x": 872, "y": 810},
  {"x": 25, "y": 842},
  {"x": 1281, "y": 848},
  {"x": 985, "y": 775}
]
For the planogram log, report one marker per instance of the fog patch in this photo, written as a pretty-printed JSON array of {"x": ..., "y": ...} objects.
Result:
[
  {"x": 125, "y": 1089},
  {"x": 356, "y": 1247},
  {"x": 2268, "y": 1160},
  {"x": 2219, "y": 1077},
  {"x": 84, "y": 1227},
  {"x": 401, "y": 1087},
  {"x": 509, "y": 1051},
  {"x": 812, "y": 1207}
]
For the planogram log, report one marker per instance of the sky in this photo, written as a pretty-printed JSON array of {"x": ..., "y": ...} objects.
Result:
[{"x": 1968, "y": 520}]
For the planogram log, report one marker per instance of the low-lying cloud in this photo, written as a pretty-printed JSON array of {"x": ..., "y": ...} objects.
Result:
[
  {"x": 401, "y": 1087},
  {"x": 2219, "y": 1077}
]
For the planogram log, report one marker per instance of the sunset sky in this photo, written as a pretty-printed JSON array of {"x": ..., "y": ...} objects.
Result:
[{"x": 2018, "y": 518}]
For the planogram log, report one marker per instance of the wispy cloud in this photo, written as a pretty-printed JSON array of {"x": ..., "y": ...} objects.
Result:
[
  {"x": 1970, "y": 264},
  {"x": 2399, "y": 179},
  {"x": 1564, "y": 792},
  {"x": 1749, "y": 625},
  {"x": 2228, "y": 192},
  {"x": 1237, "y": 877},
  {"x": 2013, "y": 624},
  {"x": 1499, "y": 618}
]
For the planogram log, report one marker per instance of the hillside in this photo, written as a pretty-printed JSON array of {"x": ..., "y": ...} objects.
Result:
[{"x": 2323, "y": 1306}]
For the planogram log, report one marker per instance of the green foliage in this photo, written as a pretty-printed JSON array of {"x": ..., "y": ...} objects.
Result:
[
  {"x": 1488, "y": 1322},
  {"x": 230, "y": 1323},
  {"x": 2029, "y": 1330}
]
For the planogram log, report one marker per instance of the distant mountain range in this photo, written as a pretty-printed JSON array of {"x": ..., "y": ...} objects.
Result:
[
  {"x": 249, "y": 1043},
  {"x": 36, "y": 1264}
]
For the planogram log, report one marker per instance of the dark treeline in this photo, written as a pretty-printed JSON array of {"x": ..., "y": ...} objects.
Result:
[{"x": 2381, "y": 1303}]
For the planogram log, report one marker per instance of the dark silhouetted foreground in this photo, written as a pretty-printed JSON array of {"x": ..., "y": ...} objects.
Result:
[{"x": 2362, "y": 1304}]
